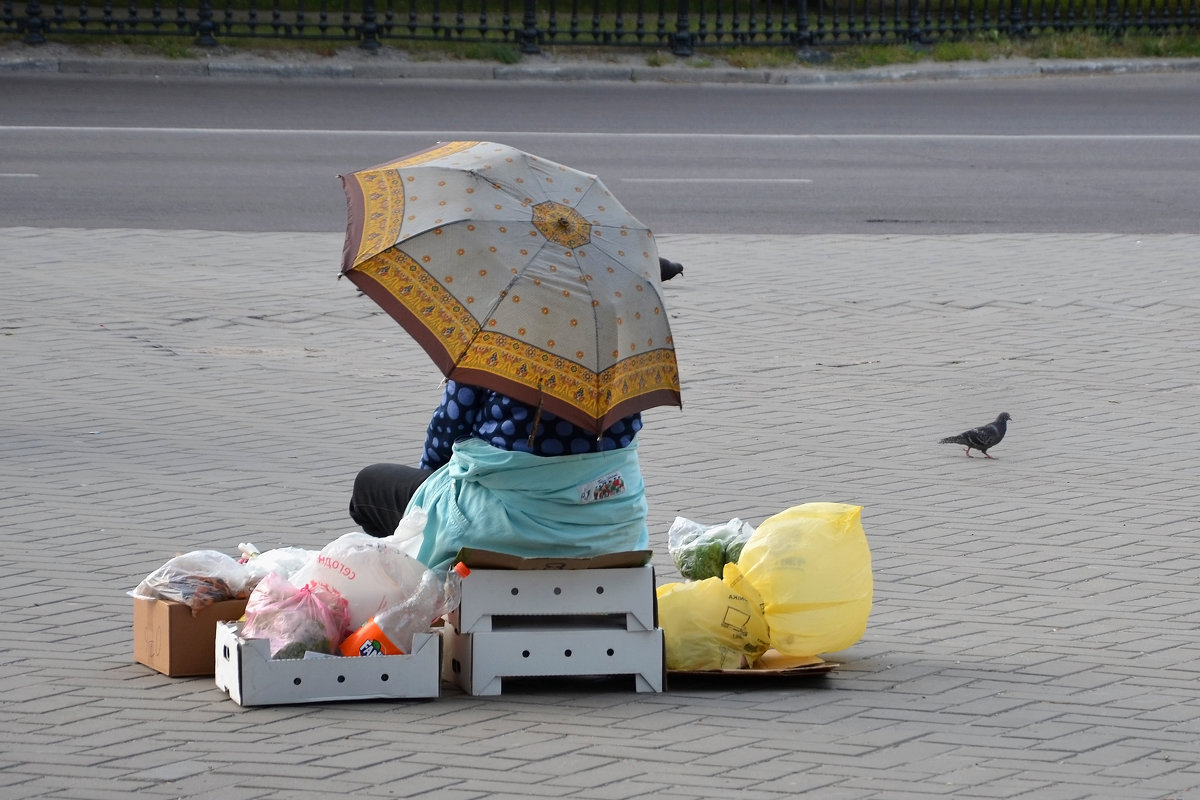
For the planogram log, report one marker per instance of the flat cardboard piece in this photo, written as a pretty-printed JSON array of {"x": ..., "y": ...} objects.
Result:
[
  {"x": 772, "y": 664},
  {"x": 170, "y": 638},
  {"x": 476, "y": 558}
]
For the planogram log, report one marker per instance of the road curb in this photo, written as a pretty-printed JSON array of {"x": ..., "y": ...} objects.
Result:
[{"x": 395, "y": 69}]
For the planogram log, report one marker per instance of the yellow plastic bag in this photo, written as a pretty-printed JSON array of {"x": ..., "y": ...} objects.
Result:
[
  {"x": 812, "y": 567},
  {"x": 716, "y": 623}
]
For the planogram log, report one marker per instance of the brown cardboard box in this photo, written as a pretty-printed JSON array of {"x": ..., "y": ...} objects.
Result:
[{"x": 168, "y": 637}]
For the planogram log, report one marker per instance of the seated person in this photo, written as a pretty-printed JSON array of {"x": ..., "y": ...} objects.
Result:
[{"x": 495, "y": 474}]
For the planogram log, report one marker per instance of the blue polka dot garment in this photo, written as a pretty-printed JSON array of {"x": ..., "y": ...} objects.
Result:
[{"x": 468, "y": 411}]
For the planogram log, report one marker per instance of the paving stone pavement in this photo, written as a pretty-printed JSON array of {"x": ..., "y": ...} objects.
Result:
[{"x": 1034, "y": 632}]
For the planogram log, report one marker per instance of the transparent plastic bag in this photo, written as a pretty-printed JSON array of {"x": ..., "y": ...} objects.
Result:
[
  {"x": 286, "y": 561},
  {"x": 390, "y": 632},
  {"x": 812, "y": 566},
  {"x": 714, "y": 623},
  {"x": 367, "y": 571},
  {"x": 702, "y": 551},
  {"x": 296, "y": 620},
  {"x": 197, "y": 579}
]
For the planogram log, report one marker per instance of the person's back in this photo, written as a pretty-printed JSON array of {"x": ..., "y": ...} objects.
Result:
[{"x": 499, "y": 474}]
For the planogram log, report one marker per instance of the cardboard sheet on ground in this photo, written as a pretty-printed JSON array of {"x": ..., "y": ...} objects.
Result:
[{"x": 772, "y": 664}]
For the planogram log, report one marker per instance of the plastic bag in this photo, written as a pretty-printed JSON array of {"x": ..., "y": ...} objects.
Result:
[
  {"x": 196, "y": 579},
  {"x": 715, "y": 623},
  {"x": 296, "y": 619},
  {"x": 286, "y": 561},
  {"x": 812, "y": 566},
  {"x": 367, "y": 571},
  {"x": 701, "y": 551}
]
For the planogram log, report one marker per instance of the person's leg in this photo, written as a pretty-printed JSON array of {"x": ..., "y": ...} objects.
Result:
[{"x": 381, "y": 493}]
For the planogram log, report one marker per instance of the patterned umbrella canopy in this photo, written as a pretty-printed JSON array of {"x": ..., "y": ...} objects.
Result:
[{"x": 517, "y": 274}]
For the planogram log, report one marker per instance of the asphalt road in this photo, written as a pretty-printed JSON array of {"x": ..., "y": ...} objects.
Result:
[{"x": 1097, "y": 154}]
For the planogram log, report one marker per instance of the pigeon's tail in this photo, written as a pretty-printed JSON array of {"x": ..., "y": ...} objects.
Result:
[{"x": 954, "y": 440}]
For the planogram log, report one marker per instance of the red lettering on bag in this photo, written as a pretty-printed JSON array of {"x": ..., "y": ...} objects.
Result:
[{"x": 336, "y": 566}]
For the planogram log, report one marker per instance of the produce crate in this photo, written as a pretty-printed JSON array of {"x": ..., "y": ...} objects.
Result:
[
  {"x": 248, "y": 674},
  {"x": 522, "y": 618}
]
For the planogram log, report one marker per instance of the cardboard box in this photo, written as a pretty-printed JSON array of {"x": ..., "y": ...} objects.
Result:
[
  {"x": 504, "y": 598},
  {"x": 541, "y": 617},
  {"x": 169, "y": 637},
  {"x": 248, "y": 674},
  {"x": 479, "y": 662}
]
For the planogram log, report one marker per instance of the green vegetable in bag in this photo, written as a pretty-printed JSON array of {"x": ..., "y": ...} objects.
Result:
[
  {"x": 701, "y": 560},
  {"x": 702, "y": 551}
]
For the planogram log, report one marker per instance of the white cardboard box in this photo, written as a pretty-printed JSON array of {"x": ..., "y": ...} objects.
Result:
[
  {"x": 504, "y": 597},
  {"x": 479, "y": 662},
  {"x": 531, "y": 617},
  {"x": 246, "y": 671}
]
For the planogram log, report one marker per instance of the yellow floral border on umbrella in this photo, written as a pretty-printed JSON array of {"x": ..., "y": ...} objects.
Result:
[
  {"x": 425, "y": 298},
  {"x": 565, "y": 380},
  {"x": 383, "y": 185},
  {"x": 471, "y": 347}
]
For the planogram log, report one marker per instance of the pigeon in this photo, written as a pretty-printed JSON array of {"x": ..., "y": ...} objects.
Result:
[
  {"x": 668, "y": 269},
  {"x": 982, "y": 438}
]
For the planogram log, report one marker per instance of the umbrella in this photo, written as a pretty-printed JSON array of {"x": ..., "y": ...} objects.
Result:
[{"x": 516, "y": 274}]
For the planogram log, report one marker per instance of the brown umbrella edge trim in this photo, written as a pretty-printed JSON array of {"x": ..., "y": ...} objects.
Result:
[
  {"x": 651, "y": 399},
  {"x": 409, "y": 321},
  {"x": 355, "y": 208}
]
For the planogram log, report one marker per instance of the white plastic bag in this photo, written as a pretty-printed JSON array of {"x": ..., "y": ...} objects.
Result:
[
  {"x": 283, "y": 561},
  {"x": 367, "y": 571}
]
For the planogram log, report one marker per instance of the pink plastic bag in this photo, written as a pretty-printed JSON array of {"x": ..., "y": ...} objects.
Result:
[{"x": 296, "y": 620}]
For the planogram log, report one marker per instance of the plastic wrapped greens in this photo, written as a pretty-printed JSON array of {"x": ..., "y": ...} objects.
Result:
[{"x": 702, "y": 551}]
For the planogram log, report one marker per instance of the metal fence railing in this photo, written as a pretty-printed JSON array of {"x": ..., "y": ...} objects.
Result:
[{"x": 681, "y": 26}]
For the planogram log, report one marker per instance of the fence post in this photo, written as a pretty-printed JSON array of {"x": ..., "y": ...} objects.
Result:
[
  {"x": 1016, "y": 21},
  {"x": 681, "y": 40},
  {"x": 205, "y": 25},
  {"x": 369, "y": 31},
  {"x": 915, "y": 34},
  {"x": 34, "y": 25},
  {"x": 1115, "y": 28},
  {"x": 529, "y": 33},
  {"x": 802, "y": 37}
]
